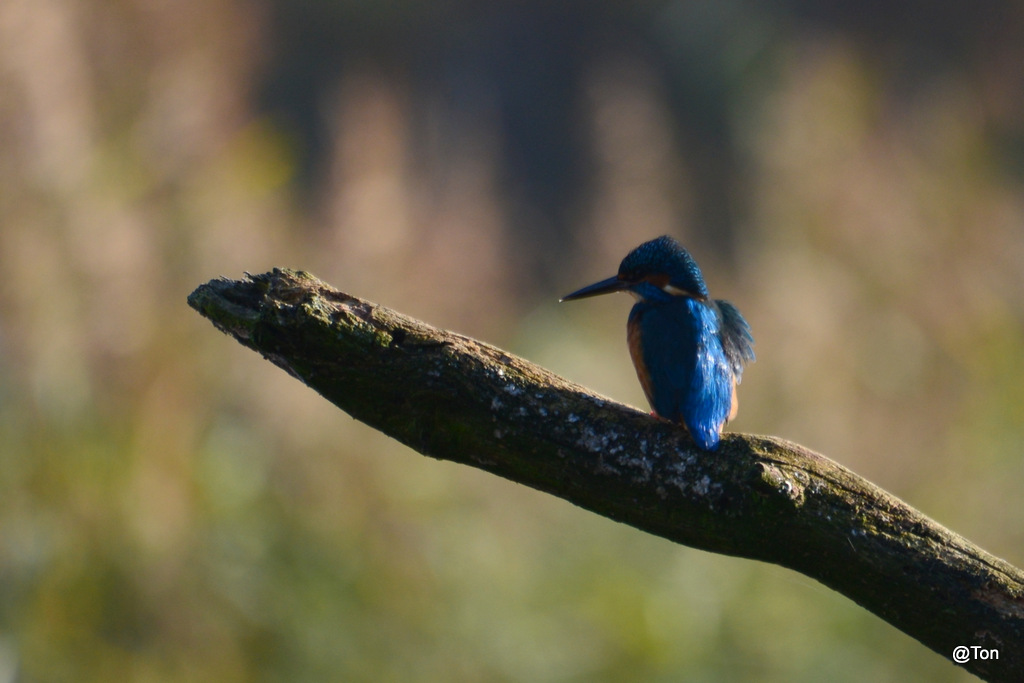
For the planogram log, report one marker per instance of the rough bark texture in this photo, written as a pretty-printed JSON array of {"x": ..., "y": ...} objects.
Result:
[{"x": 454, "y": 398}]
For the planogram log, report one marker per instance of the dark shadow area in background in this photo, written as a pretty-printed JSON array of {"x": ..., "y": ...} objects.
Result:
[{"x": 526, "y": 61}]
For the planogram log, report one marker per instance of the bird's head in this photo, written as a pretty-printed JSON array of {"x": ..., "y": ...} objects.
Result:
[{"x": 655, "y": 271}]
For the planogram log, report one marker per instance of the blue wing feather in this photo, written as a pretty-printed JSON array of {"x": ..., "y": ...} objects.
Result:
[
  {"x": 689, "y": 376},
  {"x": 737, "y": 342}
]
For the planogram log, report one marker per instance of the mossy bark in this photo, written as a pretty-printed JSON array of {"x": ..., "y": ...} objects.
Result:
[{"x": 454, "y": 398}]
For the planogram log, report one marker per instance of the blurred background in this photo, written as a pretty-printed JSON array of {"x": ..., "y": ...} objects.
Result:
[{"x": 172, "y": 507}]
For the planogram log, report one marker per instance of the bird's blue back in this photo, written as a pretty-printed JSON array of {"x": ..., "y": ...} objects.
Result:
[{"x": 689, "y": 353}]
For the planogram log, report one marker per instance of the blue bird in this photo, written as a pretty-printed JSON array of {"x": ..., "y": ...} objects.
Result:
[{"x": 688, "y": 349}]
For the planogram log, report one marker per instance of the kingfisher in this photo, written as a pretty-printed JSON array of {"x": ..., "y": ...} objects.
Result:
[{"x": 688, "y": 349}]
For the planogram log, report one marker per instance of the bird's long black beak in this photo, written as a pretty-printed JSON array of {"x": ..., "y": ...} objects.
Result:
[{"x": 612, "y": 284}]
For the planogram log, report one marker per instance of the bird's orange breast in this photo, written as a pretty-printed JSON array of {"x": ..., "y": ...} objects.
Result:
[{"x": 637, "y": 354}]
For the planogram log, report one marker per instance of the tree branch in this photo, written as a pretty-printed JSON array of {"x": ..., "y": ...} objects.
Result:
[{"x": 454, "y": 398}]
